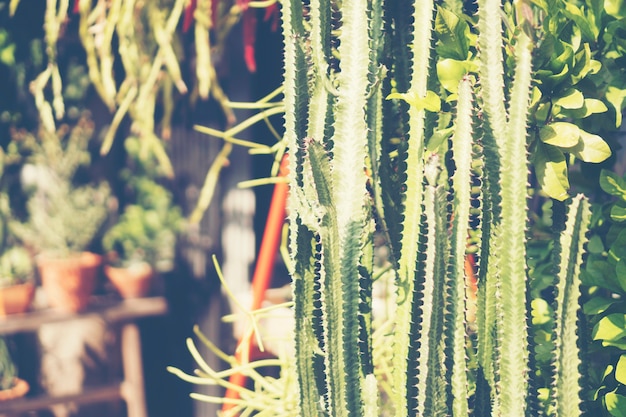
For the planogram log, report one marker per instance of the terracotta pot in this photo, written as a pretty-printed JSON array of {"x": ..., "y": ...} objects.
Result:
[
  {"x": 68, "y": 283},
  {"x": 16, "y": 299},
  {"x": 19, "y": 389},
  {"x": 131, "y": 282}
]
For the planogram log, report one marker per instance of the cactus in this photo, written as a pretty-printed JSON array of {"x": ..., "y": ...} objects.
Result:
[
  {"x": 335, "y": 208},
  {"x": 385, "y": 140}
]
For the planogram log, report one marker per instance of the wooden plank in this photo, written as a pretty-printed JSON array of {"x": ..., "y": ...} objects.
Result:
[
  {"x": 133, "y": 387},
  {"x": 88, "y": 395},
  {"x": 117, "y": 311}
]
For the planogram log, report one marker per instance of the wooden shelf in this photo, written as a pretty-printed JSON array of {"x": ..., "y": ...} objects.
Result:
[
  {"x": 109, "y": 310},
  {"x": 88, "y": 395},
  {"x": 126, "y": 312}
]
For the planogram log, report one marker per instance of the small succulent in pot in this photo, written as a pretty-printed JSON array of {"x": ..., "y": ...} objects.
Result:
[
  {"x": 8, "y": 370},
  {"x": 16, "y": 266},
  {"x": 146, "y": 230},
  {"x": 11, "y": 386},
  {"x": 66, "y": 209}
]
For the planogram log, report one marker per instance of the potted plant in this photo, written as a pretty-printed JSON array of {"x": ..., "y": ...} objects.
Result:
[
  {"x": 143, "y": 239},
  {"x": 63, "y": 215},
  {"x": 17, "y": 288},
  {"x": 16, "y": 281},
  {"x": 10, "y": 385}
]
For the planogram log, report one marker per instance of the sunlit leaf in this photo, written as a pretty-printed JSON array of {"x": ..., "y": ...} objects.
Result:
[
  {"x": 450, "y": 72},
  {"x": 595, "y": 106},
  {"x": 551, "y": 171},
  {"x": 561, "y": 134},
  {"x": 541, "y": 313},
  {"x": 615, "y": 404},
  {"x": 615, "y": 97},
  {"x": 615, "y": 8},
  {"x": 610, "y": 328},
  {"x": 430, "y": 101},
  {"x": 591, "y": 148},
  {"x": 572, "y": 99},
  {"x": 453, "y": 34},
  {"x": 587, "y": 27}
]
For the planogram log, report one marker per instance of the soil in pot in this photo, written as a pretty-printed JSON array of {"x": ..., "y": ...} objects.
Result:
[
  {"x": 16, "y": 299},
  {"x": 68, "y": 283},
  {"x": 131, "y": 282}
]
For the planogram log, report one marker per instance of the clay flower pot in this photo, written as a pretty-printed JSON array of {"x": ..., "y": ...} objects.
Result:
[
  {"x": 16, "y": 299},
  {"x": 19, "y": 389},
  {"x": 131, "y": 282},
  {"x": 69, "y": 282}
]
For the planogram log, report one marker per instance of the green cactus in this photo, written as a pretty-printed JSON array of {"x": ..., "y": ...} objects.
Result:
[
  {"x": 335, "y": 207},
  {"x": 416, "y": 128}
]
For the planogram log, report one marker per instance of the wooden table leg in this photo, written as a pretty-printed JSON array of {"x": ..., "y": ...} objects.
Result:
[{"x": 133, "y": 386}]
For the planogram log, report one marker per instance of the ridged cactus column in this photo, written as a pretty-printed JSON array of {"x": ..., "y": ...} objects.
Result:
[{"x": 360, "y": 165}]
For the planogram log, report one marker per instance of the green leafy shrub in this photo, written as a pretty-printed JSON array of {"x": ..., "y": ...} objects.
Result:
[
  {"x": 63, "y": 215},
  {"x": 605, "y": 305},
  {"x": 146, "y": 230}
]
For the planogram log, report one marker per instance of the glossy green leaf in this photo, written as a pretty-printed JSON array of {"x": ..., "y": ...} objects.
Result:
[
  {"x": 572, "y": 99},
  {"x": 561, "y": 134},
  {"x": 543, "y": 112},
  {"x": 620, "y": 270},
  {"x": 430, "y": 102},
  {"x": 615, "y": 8},
  {"x": 564, "y": 61},
  {"x": 595, "y": 245},
  {"x": 618, "y": 213},
  {"x": 619, "y": 344},
  {"x": 602, "y": 274},
  {"x": 613, "y": 184},
  {"x": 610, "y": 328},
  {"x": 591, "y": 106},
  {"x": 587, "y": 27},
  {"x": 615, "y": 97},
  {"x": 453, "y": 34},
  {"x": 597, "y": 305},
  {"x": 552, "y": 77},
  {"x": 450, "y": 72},
  {"x": 591, "y": 148},
  {"x": 618, "y": 247},
  {"x": 551, "y": 170},
  {"x": 615, "y": 404},
  {"x": 541, "y": 313},
  {"x": 595, "y": 106}
]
